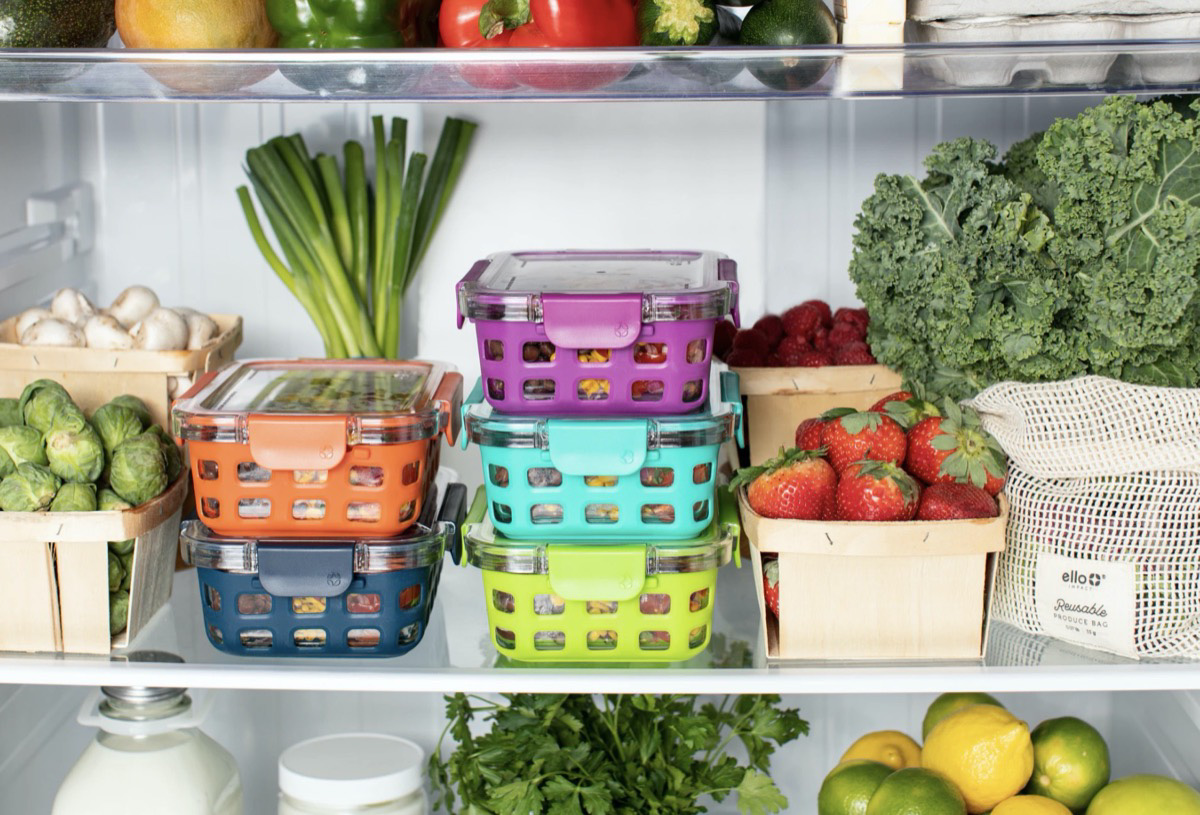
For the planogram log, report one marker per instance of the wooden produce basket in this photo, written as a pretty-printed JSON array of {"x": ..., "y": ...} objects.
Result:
[
  {"x": 861, "y": 590},
  {"x": 93, "y": 376},
  {"x": 778, "y": 399},
  {"x": 57, "y": 567}
]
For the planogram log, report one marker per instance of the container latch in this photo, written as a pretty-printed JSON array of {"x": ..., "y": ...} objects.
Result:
[
  {"x": 598, "y": 446},
  {"x": 596, "y": 571},
  {"x": 306, "y": 569},
  {"x": 592, "y": 321},
  {"x": 297, "y": 442}
]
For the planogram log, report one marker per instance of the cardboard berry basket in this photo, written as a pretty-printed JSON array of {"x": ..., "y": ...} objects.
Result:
[
  {"x": 778, "y": 399},
  {"x": 862, "y": 590},
  {"x": 93, "y": 376},
  {"x": 57, "y": 568}
]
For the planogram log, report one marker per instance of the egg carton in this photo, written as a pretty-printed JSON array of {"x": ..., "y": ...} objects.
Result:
[
  {"x": 997, "y": 69},
  {"x": 926, "y": 10}
]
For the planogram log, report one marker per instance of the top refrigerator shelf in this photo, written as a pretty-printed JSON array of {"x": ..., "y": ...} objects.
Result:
[{"x": 850, "y": 72}]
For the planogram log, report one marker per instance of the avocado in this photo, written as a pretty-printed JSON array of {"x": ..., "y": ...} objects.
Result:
[
  {"x": 56, "y": 23},
  {"x": 789, "y": 23}
]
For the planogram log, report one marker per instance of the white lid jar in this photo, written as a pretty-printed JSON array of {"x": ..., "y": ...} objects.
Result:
[{"x": 353, "y": 773}]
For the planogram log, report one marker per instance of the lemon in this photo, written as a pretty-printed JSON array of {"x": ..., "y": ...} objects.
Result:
[
  {"x": 891, "y": 747},
  {"x": 1070, "y": 762},
  {"x": 983, "y": 749},
  {"x": 1030, "y": 805},
  {"x": 948, "y": 703},
  {"x": 1145, "y": 795},
  {"x": 848, "y": 787},
  {"x": 916, "y": 791}
]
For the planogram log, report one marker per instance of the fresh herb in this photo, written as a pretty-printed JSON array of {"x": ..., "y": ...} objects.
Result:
[
  {"x": 619, "y": 755},
  {"x": 1079, "y": 253}
]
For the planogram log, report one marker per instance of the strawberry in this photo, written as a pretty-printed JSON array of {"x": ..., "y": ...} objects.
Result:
[
  {"x": 822, "y": 309},
  {"x": 856, "y": 353},
  {"x": 813, "y": 359},
  {"x": 950, "y": 501},
  {"x": 750, "y": 340},
  {"x": 798, "y": 484},
  {"x": 771, "y": 327},
  {"x": 861, "y": 435},
  {"x": 801, "y": 321},
  {"x": 741, "y": 358},
  {"x": 898, "y": 396},
  {"x": 808, "y": 434},
  {"x": 723, "y": 338},
  {"x": 877, "y": 491},
  {"x": 955, "y": 448},
  {"x": 845, "y": 333},
  {"x": 855, "y": 316},
  {"x": 771, "y": 584}
]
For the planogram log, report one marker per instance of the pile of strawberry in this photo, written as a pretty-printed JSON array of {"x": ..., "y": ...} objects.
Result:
[{"x": 809, "y": 335}]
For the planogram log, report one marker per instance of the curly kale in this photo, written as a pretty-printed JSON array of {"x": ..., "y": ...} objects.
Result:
[{"x": 1078, "y": 253}]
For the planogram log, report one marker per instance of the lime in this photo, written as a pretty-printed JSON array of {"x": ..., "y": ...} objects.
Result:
[
  {"x": 849, "y": 786},
  {"x": 1070, "y": 762},
  {"x": 1145, "y": 795},
  {"x": 916, "y": 791},
  {"x": 948, "y": 703},
  {"x": 1030, "y": 805},
  {"x": 891, "y": 747},
  {"x": 985, "y": 751}
]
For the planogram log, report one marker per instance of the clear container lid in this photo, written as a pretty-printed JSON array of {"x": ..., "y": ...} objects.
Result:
[
  {"x": 351, "y": 770},
  {"x": 360, "y": 401},
  {"x": 641, "y": 286}
]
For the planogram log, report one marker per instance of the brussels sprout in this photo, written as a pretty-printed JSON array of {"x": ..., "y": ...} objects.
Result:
[
  {"x": 75, "y": 498},
  {"x": 23, "y": 444},
  {"x": 109, "y": 500},
  {"x": 171, "y": 451},
  {"x": 10, "y": 412},
  {"x": 115, "y": 424},
  {"x": 127, "y": 565},
  {"x": 75, "y": 456},
  {"x": 139, "y": 469},
  {"x": 116, "y": 572},
  {"x": 41, "y": 401},
  {"x": 7, "y": 467},
  {"x": 121, "y": 547},
  {"x": 118, "y": 611},
  {"x": 134, "y": 404},
  {"x": 30, "y": 489}
]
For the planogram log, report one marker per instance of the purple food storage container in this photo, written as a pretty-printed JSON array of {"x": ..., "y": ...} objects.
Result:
[{"x": 597, "y": 333}]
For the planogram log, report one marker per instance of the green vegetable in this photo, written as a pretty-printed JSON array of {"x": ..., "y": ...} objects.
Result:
[
  {"x": 76, "y": 456},
  {"x": 136, "y": 405},
  {"x": 350, "y": 278},
  {"x": 121, "y": 547},
  {"x": 171, "y": 451},
  {"x": 789, "y": 23},
  {"x": 1078, "y": 254},
  {"x": 23, "y": 444},
  {"x": 676, "y": 22},
  {"x": 7, "y": 467},
  {"x": 116, "y": 572},
  {"x": 335, "y": 23},
  {"x": 118, "y": 611},
  {"x": 139, "y": 469},
  {"x": 108, "y": 501},
  {"x": 10, "y": 412},
  {"x": 42, "y": 401},
  {"x": 75, "y": 498},
  {"x": 127, "y": 565},
  {"x": 56, "y": 23},
  {"x": 626, "y": 755},
  {"x": 30, "y": 489},
  {"x": 116, "y": 423}
]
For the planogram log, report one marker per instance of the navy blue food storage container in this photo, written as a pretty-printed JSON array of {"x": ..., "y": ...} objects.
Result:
[{"x": 323, "y": 597}]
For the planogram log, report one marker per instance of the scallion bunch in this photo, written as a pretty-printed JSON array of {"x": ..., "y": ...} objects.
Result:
[{"x": 350, "y": 249}]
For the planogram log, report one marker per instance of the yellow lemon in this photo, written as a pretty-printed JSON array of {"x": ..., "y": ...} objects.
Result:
[
  {"x": 890, "y": 747},
  {"x": 985, "y": 751},
  {"x": 947, "y": 703},
  {"x": 1030, "y": 805},
  {"x": 1146, "y": 795}
]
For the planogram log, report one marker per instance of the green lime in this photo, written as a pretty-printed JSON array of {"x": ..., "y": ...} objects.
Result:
[
  {"x": 1145, "y": 795},
  {"x": 849, "y": 786},
  {"x": 1070, "y": 762},
  {"x": 949, "y": 703},
  {"x": 916, "y": 791}
]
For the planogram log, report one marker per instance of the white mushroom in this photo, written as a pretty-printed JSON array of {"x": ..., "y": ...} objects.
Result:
[
  {"x": 72, "y": 306},
  {"x": 178, "y": 385},
  {"x": 103, "y": 331},
  {"x": 29, "y": 317},
  {"x": 201, "y": 328},
  {"x": 52, "y": 331},
  {"x": 133, "y": 305},
  {"x": 161, "y": 330}
]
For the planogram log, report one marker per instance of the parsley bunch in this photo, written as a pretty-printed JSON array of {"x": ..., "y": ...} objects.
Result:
[{"x": 624, "y": 755}]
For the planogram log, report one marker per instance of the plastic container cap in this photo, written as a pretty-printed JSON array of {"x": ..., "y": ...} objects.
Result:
[{"x": 352, "y": 769}]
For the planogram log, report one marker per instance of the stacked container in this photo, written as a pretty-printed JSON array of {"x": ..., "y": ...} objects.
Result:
[
  {"x": 319, "y": 530},
  {"x": 599, "y": 528}
]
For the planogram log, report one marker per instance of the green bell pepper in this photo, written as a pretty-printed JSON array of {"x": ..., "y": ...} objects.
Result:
[{"x": 335, "y": 23}]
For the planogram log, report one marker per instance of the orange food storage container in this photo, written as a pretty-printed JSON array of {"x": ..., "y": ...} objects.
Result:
[{"x": 319, "y": 447}]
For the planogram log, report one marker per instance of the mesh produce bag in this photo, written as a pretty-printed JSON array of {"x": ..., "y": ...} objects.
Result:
[{"x": 1103, "y": 543}]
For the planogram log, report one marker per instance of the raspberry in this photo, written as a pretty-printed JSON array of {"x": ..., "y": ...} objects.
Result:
[
  {"x": 844, "y": 334},
  {"x": 814, "y": 359},
  {"x": 823, "y": 309},
  {"x": 855, "y": 316},
  {"x": 771, "y": 327},
  {"x": 723, "y": 338},
  {"x": 801, "y": 321},
  {"x": 749, "y": 339},
  {"x": 855, "y": 353},
  {"x": 820, "y": 339},
  {"x": 742, "y": 358}
]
